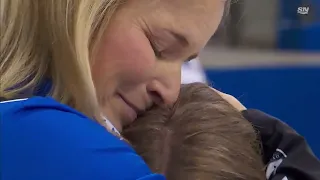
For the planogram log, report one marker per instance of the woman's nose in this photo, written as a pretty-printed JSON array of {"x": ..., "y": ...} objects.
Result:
[{"x": 165, "y": 87}]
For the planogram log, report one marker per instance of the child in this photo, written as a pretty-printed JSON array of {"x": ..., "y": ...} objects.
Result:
[{"x": 201, "y": 137}]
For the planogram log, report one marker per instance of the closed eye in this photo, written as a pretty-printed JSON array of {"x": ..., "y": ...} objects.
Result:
[
  {"x": 182, "y": 42},
  {"x": 157, "y": 53}
]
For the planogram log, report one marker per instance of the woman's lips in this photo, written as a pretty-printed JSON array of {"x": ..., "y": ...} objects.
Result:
[{"x": 130, "y": 111}]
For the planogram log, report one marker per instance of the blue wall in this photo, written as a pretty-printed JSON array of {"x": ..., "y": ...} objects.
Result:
[
  {"x": 296, "y": 31},
  {"x": 291, "y": 94}
]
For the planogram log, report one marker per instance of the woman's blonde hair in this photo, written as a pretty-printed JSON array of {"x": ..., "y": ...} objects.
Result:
[{"x": 54, "y": 39}]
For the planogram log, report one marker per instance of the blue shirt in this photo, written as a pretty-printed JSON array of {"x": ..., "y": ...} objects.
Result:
[{"x": 42, "y": 139}]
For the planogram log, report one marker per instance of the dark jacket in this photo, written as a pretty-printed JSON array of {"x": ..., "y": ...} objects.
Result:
[{"x": 285, "y": 152}]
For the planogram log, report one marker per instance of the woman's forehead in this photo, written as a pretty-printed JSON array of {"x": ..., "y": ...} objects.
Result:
[
  {"x": 196, "y": 19},
  {"x": 191, "y": 3},
  {"x": 194, "y": 11}
]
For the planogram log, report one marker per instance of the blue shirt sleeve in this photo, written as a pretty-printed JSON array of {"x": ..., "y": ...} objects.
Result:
[{"x": 42, "y": 139}]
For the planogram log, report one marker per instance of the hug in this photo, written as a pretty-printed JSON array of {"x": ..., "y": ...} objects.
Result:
[{"x": 91, "y": 90}]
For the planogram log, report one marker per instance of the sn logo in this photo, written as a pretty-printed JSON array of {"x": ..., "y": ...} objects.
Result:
[{"x": 303, "y": 10}]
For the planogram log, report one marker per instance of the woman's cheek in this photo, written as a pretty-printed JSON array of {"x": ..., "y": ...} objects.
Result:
[
  {"x": 139, "y": 68},
  {"x": 139, "y": 60}
]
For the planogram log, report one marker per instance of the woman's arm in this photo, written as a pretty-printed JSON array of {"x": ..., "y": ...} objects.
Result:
[{"x": 42, "y": 139}]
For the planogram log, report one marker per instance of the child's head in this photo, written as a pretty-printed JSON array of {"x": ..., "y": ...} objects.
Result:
[{"x": 201, "y": 137}]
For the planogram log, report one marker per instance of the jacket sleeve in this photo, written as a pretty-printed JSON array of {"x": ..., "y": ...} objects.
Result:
[{"x": 285, "y": 152}]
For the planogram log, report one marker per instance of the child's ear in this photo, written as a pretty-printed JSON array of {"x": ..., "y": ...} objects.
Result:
[{"x": 231, "y": 100}]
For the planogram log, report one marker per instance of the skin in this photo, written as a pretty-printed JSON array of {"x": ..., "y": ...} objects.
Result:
[{"x": 139, "y": 59}]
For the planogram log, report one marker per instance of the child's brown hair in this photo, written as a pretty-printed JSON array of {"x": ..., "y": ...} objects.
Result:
[{"x": 201, "y": 137}]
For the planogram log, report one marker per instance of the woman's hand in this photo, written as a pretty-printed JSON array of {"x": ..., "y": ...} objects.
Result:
[{"x": 231, "y": 100}]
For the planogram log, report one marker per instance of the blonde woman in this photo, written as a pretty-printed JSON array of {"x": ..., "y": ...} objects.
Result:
[{"x": 74, "y": 72}]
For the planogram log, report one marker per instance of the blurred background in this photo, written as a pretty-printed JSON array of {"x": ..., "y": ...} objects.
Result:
[{"x": 267, "y": 54}]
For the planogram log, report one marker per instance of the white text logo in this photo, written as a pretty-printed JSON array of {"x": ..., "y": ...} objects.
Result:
[{"x": 303, "y": 10}]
